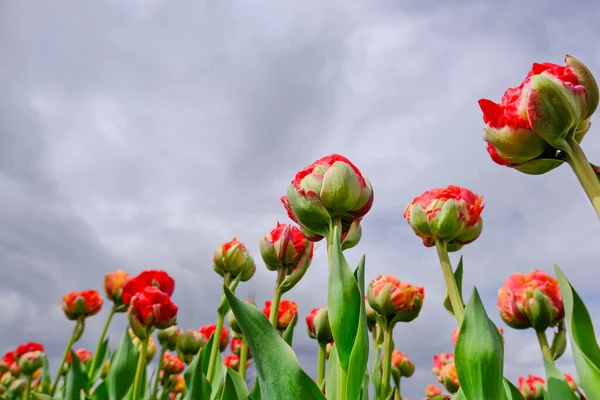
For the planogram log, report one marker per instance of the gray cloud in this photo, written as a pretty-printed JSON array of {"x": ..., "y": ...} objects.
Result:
[{"x": 143, "y": 134}]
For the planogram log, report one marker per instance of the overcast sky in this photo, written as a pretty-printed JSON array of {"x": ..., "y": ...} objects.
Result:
[{"x": 143, "y": 134}]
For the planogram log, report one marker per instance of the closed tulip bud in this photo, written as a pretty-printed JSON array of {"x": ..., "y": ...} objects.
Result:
[
  {"x": 151, "y": 350},
  {"x": 394, "y": 300},
  {"x": 439, "y": 360},
  {"x": 532, "y": 387},
  {"x": 189, "y": 343},
  {"x": 30, "y": 357},
  {"x": 284, "y": 248},
  {"x": 236, "y": 346},
  {"x": 287, "y": 310},
  {"x": 329, "y": 188},
  {"x": 172, "y": 364},
  {"x": 113, "y": 288},
  {"x": 208, "y": 330},
  {"x": 177, "y": 383},
  {"x": 233, "y": 258},
  {"x": 328, "y": 349},
  {"x": 157, "y": 278},
  {"x": 151, "y": 308},
  {"x": 317, "y": 322},
  {"x": 233, "y": 361},
  {"x": 531, "y": 300},
  {"x": 18, "y": 386},
  {"x": 451, "y": 215},
  {"x": 401, "y": 365},
  {"x": 449, "y": 378},
  {"x": 432, "y": 391},
  {"x": 168, "y": 337},
  {"x": 81, "y": 304}
]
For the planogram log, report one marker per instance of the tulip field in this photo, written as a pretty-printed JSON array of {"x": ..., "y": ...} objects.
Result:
[{"x": 536, "y": 127}]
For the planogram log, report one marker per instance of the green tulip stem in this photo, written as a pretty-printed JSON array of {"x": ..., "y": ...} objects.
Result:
[
  {"x": 28, "y": 389},
  {"x": 141, "y": 367},
  {"x": 111, "y": 313},
  {"x": 281, "y": 274},
  {"x": 388, "y": 348},
  {"x": 216, "y": 344},
  {"x": 74, "y": 336},
  {"x": 163, "y": 350},
  {"x": 322, "y": 358},
  {"x": 543, "y": 340},
  {"x": 585, "y": 174},
  {"x": 451, "y": 287},
  {"x": 243, "y": 357}
]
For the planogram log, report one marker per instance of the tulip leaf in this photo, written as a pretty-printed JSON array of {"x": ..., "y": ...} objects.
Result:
[
  {"x": 100, "y": 392},
  {"x": 277, "y": 367},
  {"x": 76, "y": 380},
  {"x": 392, "y": 395},
  {"x": 479, "y": 353},
  {"x": 255, "y": 392},
  {"x": 343, "y": 302},
  {"x": 458, "y": 276},
  {"x": 288, "y": 335},
  {"x": 235, "y": 387},
  {"x": 586, "y": 351},
  {"x": 556, "y": 387},
  {"x": 460, "y": 395},
  {"x": 376, "y": 372},
  {"x": 121, "y": 371},
  {"x": 365, "y": 388},
  {"x": 46, "y": 376},
  {"x": 220, "y": 369},
  {"x": 197, "y": 385},
  {"x": 42, "y": 396},
  {"x": 360, "y": 351},
  {"x": 331, "y": 374},
  {"x": 101, "y": 358},
  {"x": 511, "y": 392}
]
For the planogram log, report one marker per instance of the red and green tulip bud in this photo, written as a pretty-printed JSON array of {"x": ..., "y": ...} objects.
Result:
[
  {"x": 83, "y": 355},
  {"x": 172, "y": 364},
  {"x": 236, "y": 346},
  {"x": 233, "y": 258},
  {"x": 439, "y": 360},
  {"x": 287, "y": 310},
  {"x": 449, "y": 378},
  {"x": 151, "y": 308},
  {"x": 168, "y": 337},
  {"x": 401, "y": 365},
  {"x": 233, "y": 361},
  {"x": 317, "y": 323},
  {"x": 532, "y": 387},
  {"x": 531, "y": 300},
  {"x": 177, "y": 382},
  {"x": 189, "y": 343},
  {"x": 432, "y": 391},
  {"x": 113, "y": 288},
  {"x": 82, "y": 304},
  {"x": 284, "y": 247},
  {"x": 30, "y": 362},
  {"x": 329, "y": 188},
  {"x": 371, "y": 320},
  {"x": 208, "y": 330},
  {"x": 394, "y": 300},
  {"x": 451, "y": 215}
]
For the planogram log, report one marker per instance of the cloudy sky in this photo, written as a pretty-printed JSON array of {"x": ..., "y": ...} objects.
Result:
[{"x": 142, "y": 134}]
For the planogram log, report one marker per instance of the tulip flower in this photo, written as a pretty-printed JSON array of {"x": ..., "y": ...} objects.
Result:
[
  {"x": 151, "y": 308},
  {"x": 83, "y": 355},
  {"x": 113, "y": 287},
  {"x": 172, "y": 364},
  {"x": 532, "y": 387},
  {"x": 402, "y": 365},
  {"x": 394, "y": 300},
  {"x": 168, "y": 337},
  {"x": 233, "y": 361},
  {"x": 30, "y": 357},
  {"x": 432, "y": 390},
  {"x": 287, "y": 310},
  {"x": 82, "y": 304},
  {"x": 449, "y": 378},
  {"x": 9, "y": 363},
  {"x": 236, "y": 346},
  {"x": 189, "y": 343},
  {"x": 232, "y": 258},
  {"x": 157, "y": 278},
  {"x": 531, "y": 300},
  {"x": 317, "y": 323},
  {"x": 439, "y": 360},
  {"x": 456, "y": 332},
  {"x": 330, "y": 189},
  {"x": 207, "y": 330}
]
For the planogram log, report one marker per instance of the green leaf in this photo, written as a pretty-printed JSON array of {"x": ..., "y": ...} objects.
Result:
[
  {"x": 392, "y": 395},
  {"x": 479, "y": 353},
  {"x": 198, "y": 387},
  {"x": 556, "y": 387},
  {"x": 586, "y": 351},
  {"x": 360, "y": 352},
  {"x": 458, "y": 276},
  {"x": 288, "y": 335},
  {"x": 460, "y": 395},
  {"x": 76, "y": 379},
  {"x": 376, "y": 372},
  {"x": 331, "y": 374},
  {"x": 255, "y": 392},
  {"x": 41, "y": 396},
  {"x": 100, "y": 392},
  {"x": 235, "y": 387},
  {"x": 510, "y": 391},
  {"x": 365, "y": 388},
  {"x": 121, "y": 371},
  {"x": 101, "y": 358},
  {"x": 343, "y": 303},
  {"x": 278, "y": 369},
  {"x": 46, "y": 376},
  {"x": 220, "y": 369}
]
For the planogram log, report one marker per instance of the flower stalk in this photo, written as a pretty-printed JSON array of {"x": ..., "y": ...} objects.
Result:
[
  {"x": 585, "y": 174},
  {"x": 141, "y": 367},
  {"x": 451, "y": 286},
  {"x": 77, "y": 332},
  {"x": 111, "y": 313}
]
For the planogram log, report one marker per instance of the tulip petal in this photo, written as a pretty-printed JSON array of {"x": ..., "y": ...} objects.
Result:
[
  {"x": 309, "y": 210},
  {"x": 341, "y": 189},
  {"x": 587, "y": 80}
]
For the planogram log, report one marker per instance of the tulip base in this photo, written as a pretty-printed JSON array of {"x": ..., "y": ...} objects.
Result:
[{"x": 585, "y": 174}]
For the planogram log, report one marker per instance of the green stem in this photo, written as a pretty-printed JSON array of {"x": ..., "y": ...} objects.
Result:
[
  {"x": 215, "y": 350},
  {"x": 322, "y": 358},
  {"x": 101, "y": 340},
  {"x": 388, "y": 348},
  {"x": 585, "y": 174},
  {"x": 281, "y": 274},
  {"x": 543, "y": 341},
  {"x": 141, "y": 367},
  {"x": 342, "y": 379},
  {"x": 64, "y": 358},
  {"x": 243, "y": 358},
  {"x": 163, "y": 350},
  {"x": 28, "y": 389},
  {"x": 451, "y": 287}
]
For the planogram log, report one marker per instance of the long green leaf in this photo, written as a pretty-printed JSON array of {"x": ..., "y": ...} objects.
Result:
[
  {"x": 331, "y": 374},
  {"x": 101, "y": 359},
  {"x": 100, "y": 392},
  {"x": 586, "y": 351},
  {"x": 40, "y": 396},
  {"x": 121, "y": 371},
  {"x": 288, "y": 335},
  {"x": 235, "y": 387},
  {"x": 278, "y": 369},
  {"x": 343, "y": 303},
  {"x": 458, "y": 276},
  {"x": 479, "y": 353},
  {"x": 76, "y": 379},
  {"x": 360, "y": 352},
  {"x": 510, "y": 391},
  {"x": 220, "y": 369},
  {"x": 46, "y": 376},
  {"x": 255, "y": 392},
  {"x": 557, "y": 387},
  {"x": 365, "y": 388},
  {"x": 198, "y": 387}
]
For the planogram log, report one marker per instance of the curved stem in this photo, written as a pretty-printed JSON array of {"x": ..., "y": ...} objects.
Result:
[
  {"x": 322, "y": 358},
  {"x": 388, "y": 348},
  {"x": 163, "y": 350},
  {"x": 585, "y": 174},
  {"x": 141, "y": 367},
  {"x": 243, "y": 358},
  {"x": 543, "y": 341},
  {"x": 101, "y": 340},
  {"x": 451, "y": 286},
  {"x": 276, "y": 297},
  {"x": 64, "y": 358}
]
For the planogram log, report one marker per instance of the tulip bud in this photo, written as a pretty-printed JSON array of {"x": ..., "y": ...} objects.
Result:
[
  {"x": 330, "y": 187},
  {"x": 401, "y": 365},
  {"x": 351, "y": 233},
  {"x": 172, "y": 364},
  {"x": 177, "y": 382},
  {"x": 151, "y": 308},
  {"x": 236, "y": 346},
  {"x": 233, "y": 258},
  {"x": 6, "y": 379},
  {"x": 559, "y": 343},
  {"x": 189, "y": 343},
  {"x": 439, "y": 360},
  {"x": 531, "y": 300},
  {"x": 18, "y": 386},
  {"x": 157, "y": 278},
  {"x": 31, "y": 362},
  {"x": 168, "y": 337},
  {"x": 233, "y": 361},
  {"x": 394, "y": 300},
  {"x": 208, "y": 330},
  {"x": 432, "y": 391},
  {"x": 113, "y": 288},
  {"x": 81, "y": 304},
  {"x": 287, "y": 310},
  {"x": 449, "y": 378},
  {"x": 317, "y": 322},
  {"x": 137, "y": 343},
  {"x": 532, "y": 387},
  {"x": 284, "y": 247},
  {"x": 371, "y": 320}
]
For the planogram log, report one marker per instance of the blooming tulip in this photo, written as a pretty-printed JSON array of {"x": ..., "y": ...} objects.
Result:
[
  {"x": 113, "y": 287},
  {"x": 233, "y": 258},
  {"x": 532, "y": 387},
  {"x": 168, "y": 337},
  {"x": 432, "y": 391},
  {"x": 287, "y": 310},
  {"x": 158, "y": 278},
  {"x": 395, "y": 300},
  {"x": 451, "y": 215},
  {"x": 531, "y": 300},
  {"x": 208, "y": 330},
  {"x": 317, "y": 322},
  {"x": 151, "y": 308},
  {"x": 81, "y": 304},
  {"x": 30, "y": 357},
  {"x": 172, "y": 364}
]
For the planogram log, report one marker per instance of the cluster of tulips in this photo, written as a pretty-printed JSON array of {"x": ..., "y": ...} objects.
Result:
[{"x": 534, "y": 129}]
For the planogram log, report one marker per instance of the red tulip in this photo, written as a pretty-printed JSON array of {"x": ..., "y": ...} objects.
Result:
[
  {"x": 432, "y": 391},
  {"x": 113, "y": 285},
  {"x": 9, "y": 363},
  {"x": 401, "y": 364},
  {"x": 82, "y": 304},
  {"x": 287, "y": 310},
  {"x": 157, "y": 278},
  {"x": 532, "y": 387},
  {"x": 30, "y": 357},
  {"x": 82, "y": 354},
  {"x": 172, "y": 364},
  {"x": 233, "y": 258},
  {"x": 151, "y": 308},
  {"x": 285, "y": 247},
  {"x": 395, "y": 300},
  {"x": 236, "y": 346},
  {"x": 233, "y": 361},
  {"x": 208, "y": 330}
]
